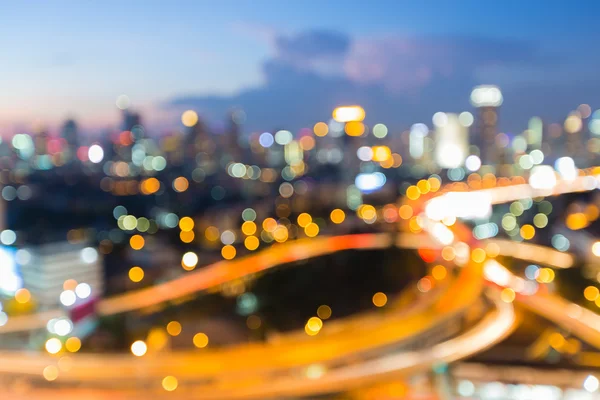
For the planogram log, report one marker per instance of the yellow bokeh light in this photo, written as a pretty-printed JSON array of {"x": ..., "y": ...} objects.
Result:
[
  {"x": 73, "y": 344},
  {"x": 573, "y": 123},
  {"x": 448, "y": 253},
  {"x": 180, "y": 184},
  {"x": 22, "y": 296},
  {"x": 321, "y": 129},
  {"x": 189, "y": 118},
  {"x": 527, "y": 232},
  {"x": 348, "y": 113},
  {"x": 304, "y": 219},
  {"x": 139, "y": 348},
  {"x": 591, "y": 293},
  {"x": 381, "y": 153},
  {"x": 157, "y": 339},
  {"x": 53, "y": 345},
  {"x": 251, "y": 242},
  {"x": 269, "y": 224},
  {"x": 545, "y": 275},
  {"x": 379, "y": 299},
  {"x": 405, "y": 211},
  {"x": 324, "y": 312},
  {"x": 187, "y": 236},
  {"x": 478, "y": 255},
  {"x": 367, "y": 212},
  {"x": 576, "y": 221},
  {"x": 137, "y": 242},
  {"x": 50, "y": 373},
  {"x": 311, "y": 230},
  {"x": 313, "y": 326},
  {"x": 414, "y": 225},
  {"x": 388, "y": 163},
  {"x": 413, "y": 193},
  {"x": 249, "y": 228},
  {"x": 149, "y": 186},
  {"x": 439, "y": 272},
  {"x": 434, "y": 184},
  {"x": 507, "y": 295},
  {"x": 424, "y": 186},
  {"x": 280, "y": 234},
  {"x": 136, "y": 274},
  {"x": 337, "y": 216},
  {"x": 200, "y": 340},
  {"x": 174, "y": 328},
  {"x": 169, "y": 383},
  {"x": 186, "y": 224},
  {"x": 354, "y": 128},
  {"x": 228, "y": 252}
]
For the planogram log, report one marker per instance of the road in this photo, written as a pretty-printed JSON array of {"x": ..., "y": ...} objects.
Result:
[{"x": 275, "y": 369}]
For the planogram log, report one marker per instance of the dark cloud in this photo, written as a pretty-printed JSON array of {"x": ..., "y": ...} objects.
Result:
[
  {"x": 399, "y": 80},
  {"x": 312, "y": 44}
]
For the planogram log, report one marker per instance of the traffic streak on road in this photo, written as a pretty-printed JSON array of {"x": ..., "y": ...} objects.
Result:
[{"x": 270, "y": 369}]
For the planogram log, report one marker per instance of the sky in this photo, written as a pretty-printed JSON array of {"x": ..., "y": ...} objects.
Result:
[{"x": 287, "y": 64}]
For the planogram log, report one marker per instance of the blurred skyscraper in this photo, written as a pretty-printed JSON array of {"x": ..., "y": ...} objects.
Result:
[
  {"x": 232, "y": 136},
  {"x": 487, "y": 99},
  {"x": 69, "y": 133},
  {"x": 451, "y": 140},
  {"x": 130, "y": 120}
]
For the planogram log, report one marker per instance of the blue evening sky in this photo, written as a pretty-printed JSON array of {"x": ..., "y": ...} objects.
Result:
[{"x": 73, "y": 58}]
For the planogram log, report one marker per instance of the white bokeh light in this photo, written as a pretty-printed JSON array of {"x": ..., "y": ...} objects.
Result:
[{"x": 95, "y": 153}]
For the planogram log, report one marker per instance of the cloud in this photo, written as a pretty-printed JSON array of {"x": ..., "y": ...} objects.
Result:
[
  {"x": 408, "y": 63},
  {"x": 323, "y": 52},
  {"x": 399, "y": 80},
  {"x": 313, "y": 44},
  {"x": 398, "y": 62}
]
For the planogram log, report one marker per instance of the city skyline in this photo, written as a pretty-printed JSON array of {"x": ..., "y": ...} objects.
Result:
[{"x": 288, "y": 65}]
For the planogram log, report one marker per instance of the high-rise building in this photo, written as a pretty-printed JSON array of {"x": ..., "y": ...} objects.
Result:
[
  {"x": 130, "y": 120},
  {"x": 487, "y": 99},
  {"x": 69, "y": 133},
  {"x": 46, "y": 268},
  {"x": 232, "y": 136},
  {"x": 40, "y": 141},
  {"x": 451, "y": 140},
  {"x": 198, "y": 140},
  {"x": 416, "y": 146}
]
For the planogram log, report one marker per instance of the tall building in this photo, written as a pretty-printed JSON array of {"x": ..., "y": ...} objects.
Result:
[
  {"x": 198, "y": 140},
  {"x": 451, "y": 140},
  {"x": 130, "y": 120},
  {"x": 232, "y": 136},
  {"x": 416, "y": 146},
  {"x": 40, "y": 141},
  {"x": 46, "y": 268},
  {"x": 69, "y": 133},
  {"x": 487, "y": 99}
]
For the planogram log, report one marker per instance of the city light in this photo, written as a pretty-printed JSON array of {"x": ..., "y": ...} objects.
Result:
[
  {"x": 349, "y": 114},
  {"x": 486, "y": 96},
  {"x": 53, "y": 345},
  {"x": 237, "y": 235},
  {"x": 138, "y": 348}
]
